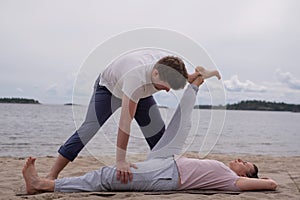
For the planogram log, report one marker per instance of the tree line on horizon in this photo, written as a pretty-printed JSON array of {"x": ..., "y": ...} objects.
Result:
[
  {"x": 255, "y": 105},
  {"x": 19, "y": 100},
  {"x": 243, "y": 105}
]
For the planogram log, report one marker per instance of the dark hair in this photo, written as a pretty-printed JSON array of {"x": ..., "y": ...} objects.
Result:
[
  {"x": 172, "y": 70},
  {"x": 253, "y": 174}
]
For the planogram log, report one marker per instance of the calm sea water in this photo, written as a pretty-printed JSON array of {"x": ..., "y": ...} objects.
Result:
[{"x": 39, "y": 130}]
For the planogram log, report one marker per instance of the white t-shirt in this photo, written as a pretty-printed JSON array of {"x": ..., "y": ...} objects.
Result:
[{"x": 130, "y": 74}]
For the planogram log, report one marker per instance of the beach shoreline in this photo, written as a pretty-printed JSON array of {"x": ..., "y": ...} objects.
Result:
[{"x": 284, "y": 170}]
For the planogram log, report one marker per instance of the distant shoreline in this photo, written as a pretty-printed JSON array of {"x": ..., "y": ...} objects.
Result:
[
  {"x": 19, "y": 100},
  {"x": 255, "y": 105}
]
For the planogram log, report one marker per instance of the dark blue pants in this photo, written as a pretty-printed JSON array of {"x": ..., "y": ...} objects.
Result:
[{"x": 101, "y": 107}]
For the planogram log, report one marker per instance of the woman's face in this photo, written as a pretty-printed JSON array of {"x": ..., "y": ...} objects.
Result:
[{"x": 240, "y": 167}]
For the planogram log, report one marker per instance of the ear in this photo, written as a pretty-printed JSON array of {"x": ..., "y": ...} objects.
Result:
[{"x": 155, "y": 72}]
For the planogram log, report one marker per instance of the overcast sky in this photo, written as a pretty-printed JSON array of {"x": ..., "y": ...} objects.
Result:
[{"x": 255, "y": 43}]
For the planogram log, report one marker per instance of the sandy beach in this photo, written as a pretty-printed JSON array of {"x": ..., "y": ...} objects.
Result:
[{"x": 284, "y": 170}]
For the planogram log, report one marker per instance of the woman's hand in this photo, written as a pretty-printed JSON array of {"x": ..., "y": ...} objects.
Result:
[{"x": 124, "y": 172}]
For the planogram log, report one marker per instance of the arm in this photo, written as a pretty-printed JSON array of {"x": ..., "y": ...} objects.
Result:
[
  {"x": 245, "y": 183},
  {"x": 127, "y": 113}
]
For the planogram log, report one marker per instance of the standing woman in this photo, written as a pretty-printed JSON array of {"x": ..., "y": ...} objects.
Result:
[{"x": 129, "y": 83}]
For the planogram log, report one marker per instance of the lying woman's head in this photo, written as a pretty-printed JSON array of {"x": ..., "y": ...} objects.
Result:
[{"x": 243, "y": 168}]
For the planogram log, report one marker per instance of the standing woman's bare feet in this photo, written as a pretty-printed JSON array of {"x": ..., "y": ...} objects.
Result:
[
  {"x": 205, "y": 73},
  {"x": 30, "y": 175}
]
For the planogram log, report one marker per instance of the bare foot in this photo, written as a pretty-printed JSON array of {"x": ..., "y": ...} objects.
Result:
[
  {"x": 198, "y": 81},
  {"x": 208, "y": 73},
  {"x": 192, "y": 77},
  {"x": 30, "y": 175},
  {"x": 50, "y": 177}
]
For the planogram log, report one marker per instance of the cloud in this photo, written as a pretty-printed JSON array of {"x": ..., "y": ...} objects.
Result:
[
  {"x": 235, "y": 85},
  {"x": 20, "y": 90},
  {"x": 278, "y": 91},
  {"x": 52, "y": 89},
  {"x": 244, "y": 34},
  {"x": 286, "y": 78}
]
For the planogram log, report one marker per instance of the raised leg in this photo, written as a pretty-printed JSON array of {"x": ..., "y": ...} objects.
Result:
[{"x": 177, "y": 131}]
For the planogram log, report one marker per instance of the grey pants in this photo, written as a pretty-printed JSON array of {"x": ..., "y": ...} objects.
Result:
[
  {"x": 158, "y": 172},
  {"x": 104, "y": 179}
]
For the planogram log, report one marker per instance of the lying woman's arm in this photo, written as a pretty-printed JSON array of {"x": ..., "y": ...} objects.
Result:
[{"x": 245, "y": 183}]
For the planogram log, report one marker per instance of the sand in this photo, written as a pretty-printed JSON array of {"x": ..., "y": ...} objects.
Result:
[{"x": 284, "y": 170}]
